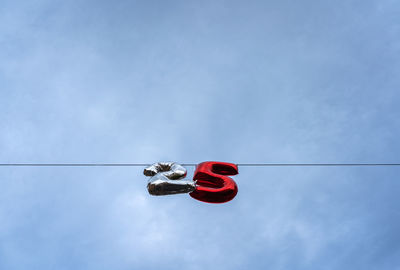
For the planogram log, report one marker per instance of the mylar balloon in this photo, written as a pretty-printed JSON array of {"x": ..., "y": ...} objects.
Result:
[
  {"x": 212, "y": 184},
  {"x": 166, "y": 178}
]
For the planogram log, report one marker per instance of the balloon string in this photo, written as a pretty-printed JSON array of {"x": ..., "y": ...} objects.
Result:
[{"x": 194, "y": 164}]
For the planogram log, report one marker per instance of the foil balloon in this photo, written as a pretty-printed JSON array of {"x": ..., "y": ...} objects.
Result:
[
  {"x": 212, "y": 183},
  {"x": 166, "y": 178}
]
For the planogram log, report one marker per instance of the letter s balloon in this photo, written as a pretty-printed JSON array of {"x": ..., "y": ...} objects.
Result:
[{"x": 212, "y": 183}]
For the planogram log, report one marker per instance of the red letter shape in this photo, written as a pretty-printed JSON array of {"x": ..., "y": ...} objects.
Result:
[{"x": 212, "y": 185}]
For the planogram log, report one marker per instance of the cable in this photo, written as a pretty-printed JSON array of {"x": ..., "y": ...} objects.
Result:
[
  {"x": 316, "y": 164},
  {"x": 194, "y": 164},
  {"x": 74, "y": 164}
]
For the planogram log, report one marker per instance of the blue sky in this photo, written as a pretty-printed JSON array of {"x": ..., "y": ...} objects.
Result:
[{"x": 190, "y": 81}]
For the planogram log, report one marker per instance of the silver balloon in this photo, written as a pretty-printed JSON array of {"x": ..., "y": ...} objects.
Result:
[{"x": 166, "y": 178}]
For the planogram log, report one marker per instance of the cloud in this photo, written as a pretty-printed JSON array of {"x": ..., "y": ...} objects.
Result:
[{"x": 147, "y": 81}]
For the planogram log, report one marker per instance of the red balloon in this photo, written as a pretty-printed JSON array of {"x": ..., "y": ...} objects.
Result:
[{"x": 212, "y": 184}]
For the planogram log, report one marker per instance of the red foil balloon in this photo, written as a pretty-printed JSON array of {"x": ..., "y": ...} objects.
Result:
[{"x": 212, "y": 184}]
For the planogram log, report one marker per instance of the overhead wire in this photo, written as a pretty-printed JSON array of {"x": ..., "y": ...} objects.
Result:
[{"x": 194, "y": 164}]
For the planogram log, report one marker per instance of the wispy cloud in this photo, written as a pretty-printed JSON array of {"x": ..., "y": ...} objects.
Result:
[{"x": 140, "y": 81}]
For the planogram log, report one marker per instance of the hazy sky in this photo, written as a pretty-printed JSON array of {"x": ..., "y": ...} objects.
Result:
[{"x": 190, "y": 81}]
